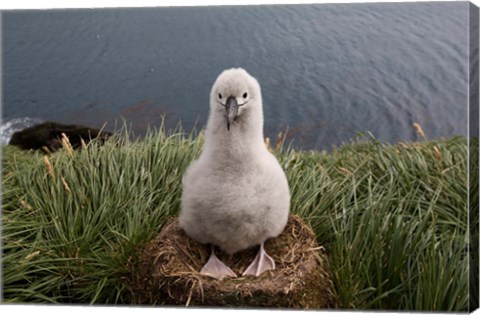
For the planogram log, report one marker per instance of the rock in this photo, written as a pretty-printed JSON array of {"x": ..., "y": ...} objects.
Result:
[
  {"x": 49, "y": 134},
  {"x": 167, "y": 272}
]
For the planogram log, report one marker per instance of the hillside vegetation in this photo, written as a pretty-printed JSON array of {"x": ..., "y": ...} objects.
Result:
[{"x": 393, "y": 219}]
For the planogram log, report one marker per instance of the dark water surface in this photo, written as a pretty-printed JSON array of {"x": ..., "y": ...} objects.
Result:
[{"x": 327, "y": 71}]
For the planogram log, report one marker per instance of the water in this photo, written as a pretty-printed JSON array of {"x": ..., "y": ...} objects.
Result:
[{"x": 327, "y": 71}]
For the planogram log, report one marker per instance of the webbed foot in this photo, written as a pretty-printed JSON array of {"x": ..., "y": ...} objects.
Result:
[
  {"x": 215, "y": 268},
  {"x": 261, "y": 263}
]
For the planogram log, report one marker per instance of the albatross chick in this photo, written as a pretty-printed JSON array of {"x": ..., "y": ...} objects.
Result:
[{"x": 236, "y": 194}]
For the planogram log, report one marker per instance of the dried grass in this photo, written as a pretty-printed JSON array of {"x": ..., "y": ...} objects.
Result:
[{"x": 169, "y": 265}]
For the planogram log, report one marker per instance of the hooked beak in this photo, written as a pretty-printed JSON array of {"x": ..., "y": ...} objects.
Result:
[{"x": 231, "y": 106}]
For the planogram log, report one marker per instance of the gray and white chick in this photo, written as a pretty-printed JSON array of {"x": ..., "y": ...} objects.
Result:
[{"x": 236, "y": 195}]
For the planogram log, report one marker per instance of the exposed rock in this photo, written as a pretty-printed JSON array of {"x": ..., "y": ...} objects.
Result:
[{"x": 49, "y": 134}]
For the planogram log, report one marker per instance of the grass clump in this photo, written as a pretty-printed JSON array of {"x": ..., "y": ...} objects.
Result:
[
  {"x": 71, "y": 222},
  {"x": 393, "y": 219}
]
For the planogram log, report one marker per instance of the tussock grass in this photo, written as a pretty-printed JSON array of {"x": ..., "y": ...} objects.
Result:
[{"x": 392, "y": 218}]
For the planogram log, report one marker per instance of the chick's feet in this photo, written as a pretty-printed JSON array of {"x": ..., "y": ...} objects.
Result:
[
  {"x": 261, "y": 263},
  {"x": 215, "y": 268}
]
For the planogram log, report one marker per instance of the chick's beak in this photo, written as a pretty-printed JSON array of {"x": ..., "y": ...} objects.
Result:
[{"x": 232, "y": 109}]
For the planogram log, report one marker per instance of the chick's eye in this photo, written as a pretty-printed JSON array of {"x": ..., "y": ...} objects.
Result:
[
  {"x": 219, "y": 95},
  {"x": 245, "y": 95}
]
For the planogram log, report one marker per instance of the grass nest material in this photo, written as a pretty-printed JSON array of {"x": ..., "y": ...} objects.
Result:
[{"x": 168, "y": 272}]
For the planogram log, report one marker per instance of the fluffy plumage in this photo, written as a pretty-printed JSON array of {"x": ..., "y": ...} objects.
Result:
[{"x": 236, "y": 194}]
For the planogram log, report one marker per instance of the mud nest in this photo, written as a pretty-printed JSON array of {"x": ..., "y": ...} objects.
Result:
[{"x": 167, "y": 272}]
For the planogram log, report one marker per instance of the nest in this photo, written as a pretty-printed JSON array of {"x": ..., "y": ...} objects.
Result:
[{"x": 168, "y": 272}]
